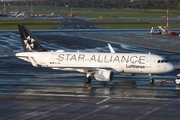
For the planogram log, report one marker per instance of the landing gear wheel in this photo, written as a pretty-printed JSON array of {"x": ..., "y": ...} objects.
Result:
[
  {"x": 87, "y": 80},
  {"x": 152, "y": 81}
]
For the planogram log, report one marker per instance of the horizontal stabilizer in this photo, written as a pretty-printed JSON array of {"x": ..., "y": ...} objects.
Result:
[{"x": 33, "y": 62}]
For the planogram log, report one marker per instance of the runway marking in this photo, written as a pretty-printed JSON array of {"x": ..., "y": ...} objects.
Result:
[
  {"x": 84, "y": 115},
  {"x": 157, "y": 109},
  {"x": 47, "y": 112},
  {"x": 103, "y": 100}
]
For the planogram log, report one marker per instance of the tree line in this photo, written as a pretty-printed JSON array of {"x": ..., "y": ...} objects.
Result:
[{"x": 137, "y": 4}]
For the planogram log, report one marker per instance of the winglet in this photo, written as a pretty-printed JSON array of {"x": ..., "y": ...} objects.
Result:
[
  {"x": 110, "y": 48},
  {"x": 29, "y": 42}
]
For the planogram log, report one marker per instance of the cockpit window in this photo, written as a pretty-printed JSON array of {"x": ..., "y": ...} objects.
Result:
[
  {"x": 166, "y": 61},
  {"x": 162, "y": 61}
]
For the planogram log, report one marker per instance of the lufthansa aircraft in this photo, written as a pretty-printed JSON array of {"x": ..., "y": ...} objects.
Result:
[{"x": 101, "y": 66}]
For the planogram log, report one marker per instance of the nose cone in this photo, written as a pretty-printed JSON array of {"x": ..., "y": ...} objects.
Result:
[{"x": 170, "y": 67}]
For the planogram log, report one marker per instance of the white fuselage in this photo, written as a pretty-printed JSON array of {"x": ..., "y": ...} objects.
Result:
[{"x": 118, "y": 62}]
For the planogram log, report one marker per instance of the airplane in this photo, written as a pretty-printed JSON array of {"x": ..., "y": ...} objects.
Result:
[{"x": 101, "y": 66}]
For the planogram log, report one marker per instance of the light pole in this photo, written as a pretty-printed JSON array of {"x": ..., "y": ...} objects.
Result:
[
  {"x": 31, "y": 8},
  {"x": 4, "y": 7},
  {"x": 10, "y": 8},
  {"x": 167, "y": 19}
]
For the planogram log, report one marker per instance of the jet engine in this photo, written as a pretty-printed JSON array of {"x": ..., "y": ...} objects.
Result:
[{"x": 104, "y": 75}]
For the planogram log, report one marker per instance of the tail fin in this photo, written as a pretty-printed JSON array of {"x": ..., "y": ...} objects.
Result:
[{"x": 29, "y": 42}]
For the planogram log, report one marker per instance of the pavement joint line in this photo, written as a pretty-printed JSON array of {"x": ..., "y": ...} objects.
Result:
[
  {"x": 104, "y": 100},
  {"x": 142, "y": 98},
  {"x": 44, "y": 113},
  {"x": 157, "y": 109},
  {"x": 96, "y": 110}
]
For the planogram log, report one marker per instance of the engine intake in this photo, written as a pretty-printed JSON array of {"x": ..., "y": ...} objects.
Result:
[{"x": 104, "y": 75}]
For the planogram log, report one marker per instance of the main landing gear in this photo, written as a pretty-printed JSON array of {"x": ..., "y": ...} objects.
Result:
[
  {"x": 87, "y": 79},
  {"x": 151, "y": 79},
  {"x": 87, "y": 82}
]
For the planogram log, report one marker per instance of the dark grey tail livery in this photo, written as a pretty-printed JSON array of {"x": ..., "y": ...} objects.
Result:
[{"x": 29, "y": 42}]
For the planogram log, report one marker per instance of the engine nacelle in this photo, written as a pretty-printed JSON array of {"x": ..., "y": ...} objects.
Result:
[{"x": 104, "y": 75}]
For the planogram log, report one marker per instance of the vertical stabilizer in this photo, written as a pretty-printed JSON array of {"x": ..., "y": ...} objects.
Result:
[{"x": 29, "y": 42}]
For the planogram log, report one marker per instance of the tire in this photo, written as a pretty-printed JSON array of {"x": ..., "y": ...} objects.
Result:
[
  {"x": 152, "y": 81},
  {"x": 87, "y": 80}
]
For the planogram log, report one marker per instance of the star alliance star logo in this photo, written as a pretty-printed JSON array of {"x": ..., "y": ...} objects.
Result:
[{"x": 29, "y": 43}]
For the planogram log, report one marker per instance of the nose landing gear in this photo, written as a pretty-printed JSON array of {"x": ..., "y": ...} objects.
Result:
[{"x": 151, "y": 79}]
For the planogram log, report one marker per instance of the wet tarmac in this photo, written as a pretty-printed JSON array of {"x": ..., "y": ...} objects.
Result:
[{"x": 29, "y": 93}]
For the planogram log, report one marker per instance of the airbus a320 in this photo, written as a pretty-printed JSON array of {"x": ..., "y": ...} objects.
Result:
[{"x": 101, "y": 66}]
